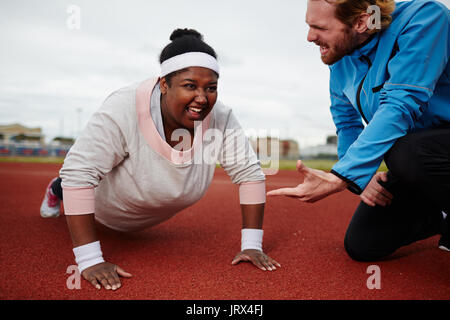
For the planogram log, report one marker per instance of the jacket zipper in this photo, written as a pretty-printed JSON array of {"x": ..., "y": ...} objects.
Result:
[{"x": 358, "y": 94}]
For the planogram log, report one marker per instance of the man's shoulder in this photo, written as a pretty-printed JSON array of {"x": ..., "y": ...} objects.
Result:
[
  {"x": 418, "y": 4},
  {"x": 416, "y": 12},
  {"x": 406, "y": 9}
]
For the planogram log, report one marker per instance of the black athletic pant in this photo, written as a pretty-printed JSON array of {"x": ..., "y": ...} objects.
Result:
[
  {"x": 57, "y": 189},
  {"x": 419, "y": 180}
]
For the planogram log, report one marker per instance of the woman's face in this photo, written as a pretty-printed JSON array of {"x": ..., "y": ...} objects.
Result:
[{"x": 190, "y": 97}]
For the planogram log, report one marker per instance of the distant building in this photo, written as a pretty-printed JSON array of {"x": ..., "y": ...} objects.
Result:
[
  {"x": 287, "y": 149},
  {"x": 62, "y": 142},
  {"x": 332, "y": 140},
  {"x": 324, "y": 151},
  {"x": 19, "y": 134},
  {"x": 18, "y": 140},
  {"x": 59, "y": 146}
]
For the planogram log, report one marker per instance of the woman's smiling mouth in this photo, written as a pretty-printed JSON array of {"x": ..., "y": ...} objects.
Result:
[{"x": 195, "y": 113}]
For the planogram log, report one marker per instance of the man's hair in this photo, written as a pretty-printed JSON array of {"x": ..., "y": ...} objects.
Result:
[{"x": 347, "y": 11}]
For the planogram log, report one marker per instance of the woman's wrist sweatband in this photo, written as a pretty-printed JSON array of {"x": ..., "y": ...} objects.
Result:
[
  {"x": 88, "y": 255},
  {"x": 251, "y": 239}
]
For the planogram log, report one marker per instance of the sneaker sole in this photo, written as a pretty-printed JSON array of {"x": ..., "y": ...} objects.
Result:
[
  {"x": 444, "y": 248},
  {"x": 46, "y": 214},
  {"x": 43, "y": 215}
]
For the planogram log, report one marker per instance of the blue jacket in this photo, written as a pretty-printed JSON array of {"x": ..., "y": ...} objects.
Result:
[{"x": 398, "y": 82}]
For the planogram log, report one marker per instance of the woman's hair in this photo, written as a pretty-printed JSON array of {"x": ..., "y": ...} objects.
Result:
[
  {"x": 182, "y": 41},
  {"x": 347, "y": 11}
]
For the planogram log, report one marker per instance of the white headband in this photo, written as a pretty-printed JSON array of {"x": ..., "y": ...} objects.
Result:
[{"x": 189, "y": 59}]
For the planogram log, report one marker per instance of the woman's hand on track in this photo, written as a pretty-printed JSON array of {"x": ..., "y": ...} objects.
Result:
[
  {"x": 258, "y": 258},
  {"x": 105, "y": 274}
]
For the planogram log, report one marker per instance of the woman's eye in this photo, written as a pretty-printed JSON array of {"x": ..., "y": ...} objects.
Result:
[
  {"x": 212, "y": 89},
  {"x": 189, "y": 86}
]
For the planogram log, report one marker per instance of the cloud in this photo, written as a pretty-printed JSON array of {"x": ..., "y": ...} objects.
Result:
[{"x": 270, "y": 75}]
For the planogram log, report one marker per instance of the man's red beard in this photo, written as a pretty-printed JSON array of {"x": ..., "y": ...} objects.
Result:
[{"x": 332, "y": 54}]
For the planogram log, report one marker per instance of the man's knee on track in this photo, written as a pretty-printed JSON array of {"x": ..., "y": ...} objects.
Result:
[{"x": 359, "y": 251}]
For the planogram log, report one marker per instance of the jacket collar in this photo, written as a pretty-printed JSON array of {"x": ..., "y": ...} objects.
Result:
[{"x": 367, "y": 48}]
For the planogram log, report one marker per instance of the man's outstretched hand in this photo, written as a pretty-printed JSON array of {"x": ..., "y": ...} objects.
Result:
[{"x": 315, "y": 185}]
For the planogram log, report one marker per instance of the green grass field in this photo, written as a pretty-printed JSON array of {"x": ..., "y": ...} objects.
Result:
[
  {"x": 33, "y": 159},
  {"x": 325, "y": 165}
]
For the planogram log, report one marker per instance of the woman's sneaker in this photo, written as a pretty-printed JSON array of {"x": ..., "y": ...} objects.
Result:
[{"x": 51, "y": 204}]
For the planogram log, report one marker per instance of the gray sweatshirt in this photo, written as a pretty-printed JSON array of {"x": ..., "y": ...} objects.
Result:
[{"x": 122, "y": 169}]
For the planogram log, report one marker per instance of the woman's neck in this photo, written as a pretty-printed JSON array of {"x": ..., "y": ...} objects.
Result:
[{"x": 169, "y": 126}]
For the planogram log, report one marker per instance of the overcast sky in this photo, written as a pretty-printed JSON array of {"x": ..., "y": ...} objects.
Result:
[{"x": 54, "y": 75}]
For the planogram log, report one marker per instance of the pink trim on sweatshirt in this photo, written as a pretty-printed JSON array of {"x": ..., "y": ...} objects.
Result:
[
  {"x": 252, "y": 192},
  {"x": 78, "y": 200},
  {"x": 150, "y": 133}
]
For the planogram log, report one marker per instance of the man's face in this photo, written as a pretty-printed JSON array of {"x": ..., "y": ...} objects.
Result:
[{"x": 334, "y": 38}]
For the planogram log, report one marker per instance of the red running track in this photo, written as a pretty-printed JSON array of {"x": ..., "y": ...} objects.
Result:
[{"x": 189, "y": 257}]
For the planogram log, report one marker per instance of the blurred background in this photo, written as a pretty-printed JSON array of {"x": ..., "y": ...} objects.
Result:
[{"x": 60, "y": 59}]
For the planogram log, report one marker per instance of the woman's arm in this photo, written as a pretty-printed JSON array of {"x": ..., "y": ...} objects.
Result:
[
  {"x": 82, "y": 229},
  {"x": 100, "y": 147},
  {"x": 251, "y": 242},
  {"x": 252, "y": 216},
  {"x": 87, "y": 250},
  {"x": 242, "y": 165}
]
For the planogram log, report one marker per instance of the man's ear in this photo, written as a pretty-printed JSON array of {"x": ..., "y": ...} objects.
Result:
[
  {"x": 362, "y": 23},
  {"x": 163, "y": 85}
]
